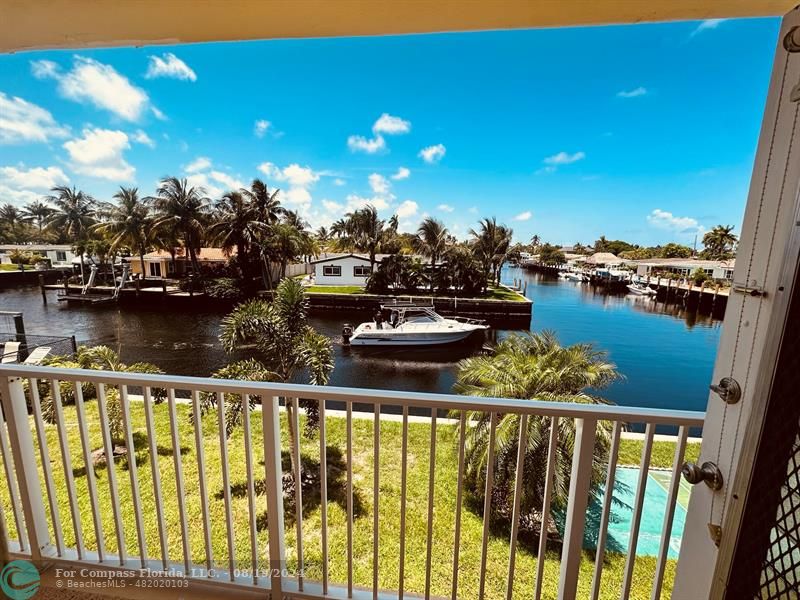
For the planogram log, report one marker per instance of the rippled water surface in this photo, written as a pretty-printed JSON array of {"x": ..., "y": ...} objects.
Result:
[{"x": 667, "y": 356}]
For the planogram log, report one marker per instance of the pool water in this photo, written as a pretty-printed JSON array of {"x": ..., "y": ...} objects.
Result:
[{"x": 652, "y": 522}]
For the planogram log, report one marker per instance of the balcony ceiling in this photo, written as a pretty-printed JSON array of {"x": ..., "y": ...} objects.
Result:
[{"x": 37, "y": 24}]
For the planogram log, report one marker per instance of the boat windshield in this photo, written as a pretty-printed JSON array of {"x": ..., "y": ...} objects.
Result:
[{"x": 412, "y": 314}]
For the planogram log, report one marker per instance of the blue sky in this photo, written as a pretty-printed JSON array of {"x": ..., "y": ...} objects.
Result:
[{"x": 645, "y": 133}]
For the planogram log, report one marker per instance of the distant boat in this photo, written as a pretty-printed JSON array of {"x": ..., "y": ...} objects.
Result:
[
  {"x": 639, "y": 289},
  {"x": 574, "y": 276},
  {"x": 410, "y": 325}
]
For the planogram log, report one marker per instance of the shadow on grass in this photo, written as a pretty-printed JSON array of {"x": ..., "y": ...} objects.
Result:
[
  {"x": 311, "y": 490},
  {"x": 530, "y": 524},
  {"x": 141, "y": 452}
]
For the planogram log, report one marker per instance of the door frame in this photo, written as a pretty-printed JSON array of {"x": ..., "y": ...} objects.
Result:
[{"x": 752, "y": 332}]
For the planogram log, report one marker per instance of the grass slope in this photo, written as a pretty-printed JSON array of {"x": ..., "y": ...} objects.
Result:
[{"x": 388, "y": 507}]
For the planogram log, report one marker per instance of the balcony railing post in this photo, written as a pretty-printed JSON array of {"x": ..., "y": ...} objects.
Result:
[
  {"x": 274, "y": 474},
  {"x": 23, "y": 452},
  {"x": 580, "y": 479}
]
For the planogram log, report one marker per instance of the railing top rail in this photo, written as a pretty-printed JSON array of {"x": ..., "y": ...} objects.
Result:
[{"x": 366, "y": 396}]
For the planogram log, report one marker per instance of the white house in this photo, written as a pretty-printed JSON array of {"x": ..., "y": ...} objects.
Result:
[
  {"x": 718, "y": 270},
  {"x": 60, "y": 255},
  {"x": 343, "y": 268}
]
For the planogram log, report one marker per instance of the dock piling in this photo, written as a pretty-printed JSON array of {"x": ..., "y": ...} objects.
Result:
[{"x": 42, "y": 288}]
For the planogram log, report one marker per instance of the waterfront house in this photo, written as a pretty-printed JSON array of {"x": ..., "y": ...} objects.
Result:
[
  {"x": 59, "y": 255},
  {"x": 603, "y": 259},
  {"x": 740, "y": 529},
  {"x": 162, "y": 265},
  {"x": 718, "y": 270},
  {"x": 343, "y": 268}
]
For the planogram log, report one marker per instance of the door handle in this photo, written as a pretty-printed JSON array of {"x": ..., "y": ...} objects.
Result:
[{"x": 708, "y": 473}]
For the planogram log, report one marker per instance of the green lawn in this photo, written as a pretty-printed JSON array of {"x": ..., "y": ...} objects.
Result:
[
  {"x": 5, "y": 267},
  {"x": 630, "y": 453},
  {"x": 388, "y": 506},
  {"x": 335, "y": 289},
  {"x": 494, "y": 293}
]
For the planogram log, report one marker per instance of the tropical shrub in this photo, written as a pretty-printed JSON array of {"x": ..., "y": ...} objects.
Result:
[
  {"x": 699, "y": 276},
  {"x": 531, "y": 366},
  {"x": 224, "y": 288},
  {"x": 248, "y": 370},
  {"x": 97, "y": 358}
]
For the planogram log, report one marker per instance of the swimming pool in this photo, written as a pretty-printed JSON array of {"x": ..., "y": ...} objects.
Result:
[{"x": 655, "y": 503}]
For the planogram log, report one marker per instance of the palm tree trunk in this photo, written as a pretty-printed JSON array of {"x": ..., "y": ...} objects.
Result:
[
  {"x": 141, "y": 261},
  {"x": 433, "y": 264}
]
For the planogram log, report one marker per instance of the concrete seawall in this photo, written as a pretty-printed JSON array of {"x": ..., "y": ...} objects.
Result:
[{"x": 514, "y": 315}]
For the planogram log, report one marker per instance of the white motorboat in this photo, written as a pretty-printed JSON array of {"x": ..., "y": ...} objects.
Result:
[
  {"x": 410, "y": 325},
  {"x": 639, "y": 289},
  {"x": 572, "y": 276}
]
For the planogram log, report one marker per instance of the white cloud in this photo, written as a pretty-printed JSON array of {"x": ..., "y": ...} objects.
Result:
[
  {"x": 523, "y": 216},
  {"x": 43, "y": 69},
  {"x": 228, "y": 181},
  {"x": 446, "y": 208},
  {"x": 261, "y": 126},
  {"x": 379, "y": 183},
  {"x": 332, "y": 207},
  {"x": 99, "y": 153},
  {"x": 22, "y": 121},
  {"x": 407, "y": 208},
  {"x": 358, "y": 143},
  {"x": 354, "y": 202},
  {"x": 473, "y": 210},
  {"x": 663, "y": 219},
  {"x": 201, "y": 180},
  {"x": 564, "y": 158},
  {"x": 386, "y": 124},
  {"x": 706, "y": 25},
  {"x": 99, "y": 84},
  {"x": 634, "y": 93},
  {"x": 38, "y": 178},
  {"x": 169, "y": 65},
  {"x": 201, "y": 163},
  {"x": 402, "y": 173},
  {"x": 432, "y": 154},
  {"x": 300, "y": 180},
  {"x": 18, "y": 197},
  {"x": 339, "y": 182},
  {"x": 391, "y": 125},
  {"x": 158, "y": 114},
  {"x": 140, "y": 137}
]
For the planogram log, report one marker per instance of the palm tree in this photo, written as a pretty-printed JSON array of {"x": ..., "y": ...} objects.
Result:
[
  {"x": 491, "y": 243},
  {"x": 720, "y": 242},
  {"x": 431, "y": 242},
  {"x": 532, "y": 366},
  {"x": 269, "y": 211},
  {"x": 38, "y": 212},
  {"x": 14, "y": 219},
  {"x": 286, "y": 243},
  {"x": 182, "y": 210},
  {"x": 289, "y": 348},
  {"x": 267, "y": 205},
  {"x": 362, "y": 230},
  {"x": 237, "y": 225},
  {"x": 535, "y": 242},
  {"x": 128, "y": 224},
  {"x": 75, "y": 212}
]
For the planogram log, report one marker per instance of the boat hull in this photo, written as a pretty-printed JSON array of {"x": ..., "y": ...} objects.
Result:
[{"x": 399, "y": 338}]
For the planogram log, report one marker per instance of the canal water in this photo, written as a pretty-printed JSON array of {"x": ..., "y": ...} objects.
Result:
[{"x": 666, "y": 355}]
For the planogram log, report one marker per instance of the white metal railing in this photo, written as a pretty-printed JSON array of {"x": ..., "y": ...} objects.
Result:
[{"x": 38, "y": 512}]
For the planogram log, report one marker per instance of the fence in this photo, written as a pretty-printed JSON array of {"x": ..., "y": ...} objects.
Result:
[{"x": 161, "y": 511}]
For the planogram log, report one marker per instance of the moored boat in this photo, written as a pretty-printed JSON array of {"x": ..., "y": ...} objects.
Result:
[
  {"x": 640, "y": 289},
  {"x": 410, "y": 325}
]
